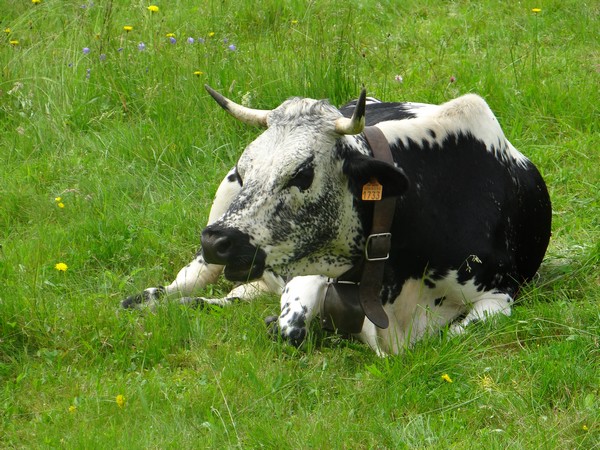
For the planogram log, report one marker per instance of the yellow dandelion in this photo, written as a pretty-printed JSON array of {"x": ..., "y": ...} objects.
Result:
[
  {"x": 13, "y": 42},
  {"x": 294, "y": 22},
  {"x": 7, "y": 30},
  {"x": 58, "y": 199},
  {"x": 585, "y": 428},
  {"x": 72, "y": 408},
  {"x": 536, "y": 10},
  {"x": 35, "y": 2},
  {"x": 61, "y": 267},
  {"x": 61, "y": 205},
  {"x": 211, "y": 34},
  {"x": 153, "y": 8},
  {"x": 171, "y": 35},
  {"x": 447, "y": 378},
  {"x": 198, "y": 73},
  {"x": 487, "y": 382},
  {"x": 120, "y": 399},
  {"x": 128, "y": 28}
]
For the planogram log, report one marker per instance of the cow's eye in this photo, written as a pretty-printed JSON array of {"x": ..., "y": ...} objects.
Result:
[{"x": 303, "y": 178}]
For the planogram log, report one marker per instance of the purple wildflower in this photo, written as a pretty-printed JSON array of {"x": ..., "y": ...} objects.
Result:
[
  {"x": 120, "y": 49},
  {"x": 232, "y": 47},
  {"x": 141, "y": 46},
  {"x": 102, "y": 56},
  {"x": 190, "y": 40},
  {"x": 172, "y": 40},
  {"x": 87, "y": 73},
  {"x": 86, "y": 50},
  {"x": 200, "y": 40}
]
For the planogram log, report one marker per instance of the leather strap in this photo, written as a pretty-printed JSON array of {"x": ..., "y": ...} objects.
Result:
[
  {"x": 377, "y": 247},
  {"x": 357, "y": 292}
]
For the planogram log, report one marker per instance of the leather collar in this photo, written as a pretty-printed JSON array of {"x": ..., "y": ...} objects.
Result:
[{"x": 358, "y": 292}]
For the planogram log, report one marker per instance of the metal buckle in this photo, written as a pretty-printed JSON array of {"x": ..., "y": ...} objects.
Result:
[{"x": 372, "y": 237}]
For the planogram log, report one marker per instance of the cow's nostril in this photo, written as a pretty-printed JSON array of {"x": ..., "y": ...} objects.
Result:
[
  {"x": 222, "y": 246},
  {"x": 219, "y": 245},
  {"x": 216, "y": 247}
]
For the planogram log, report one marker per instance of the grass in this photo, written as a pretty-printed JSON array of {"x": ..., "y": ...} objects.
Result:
[{"x": 135, "y": 149}]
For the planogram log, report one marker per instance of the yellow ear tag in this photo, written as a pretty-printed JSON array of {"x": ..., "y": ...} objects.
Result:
[{"x": 372, "y": 191}]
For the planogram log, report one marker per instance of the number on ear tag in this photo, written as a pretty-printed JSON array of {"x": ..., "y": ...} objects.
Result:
[{"x": 372, "y": 191}]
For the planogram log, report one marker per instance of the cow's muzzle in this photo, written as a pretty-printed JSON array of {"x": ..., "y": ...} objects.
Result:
[{"x": 231, "y": 248}]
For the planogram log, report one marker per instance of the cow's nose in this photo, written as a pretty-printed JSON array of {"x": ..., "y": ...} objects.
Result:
[
  {"x": 231, "y": 248},
  {"x": 217, "y": 246}
]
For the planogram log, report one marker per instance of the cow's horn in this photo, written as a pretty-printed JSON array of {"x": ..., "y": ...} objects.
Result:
[
  {"x": 256, "y": 117},
  {"x": 356, "y": 123}
]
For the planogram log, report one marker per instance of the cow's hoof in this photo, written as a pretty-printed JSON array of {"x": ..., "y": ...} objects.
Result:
[
  {"x": 269, "y": 320},
  {"x": 272, "y": 326},
  {"x": 147, "y": 298},
  {"x": 133, "y": 301},
  {"x": 293, "y": 335}
]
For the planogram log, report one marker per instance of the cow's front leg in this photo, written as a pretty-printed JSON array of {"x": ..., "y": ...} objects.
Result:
[
  {"x": 268, "y": 284},
  {"x": 193, "y": 277},
  {"x": 300, "y": 303}
]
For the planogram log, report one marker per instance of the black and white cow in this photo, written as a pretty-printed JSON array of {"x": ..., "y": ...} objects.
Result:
[{"x": 472, "y": 219}]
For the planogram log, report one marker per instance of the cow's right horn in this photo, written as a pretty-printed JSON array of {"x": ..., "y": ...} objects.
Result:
[
  {"x": 356, "y": 123},
  {"x": 256, "y": 117}
]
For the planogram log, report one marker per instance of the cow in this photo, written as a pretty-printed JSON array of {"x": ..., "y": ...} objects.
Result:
[{"x": 471, "y": 216}]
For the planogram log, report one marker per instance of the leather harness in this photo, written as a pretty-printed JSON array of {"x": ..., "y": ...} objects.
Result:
[{"x": 357, "y": 293}]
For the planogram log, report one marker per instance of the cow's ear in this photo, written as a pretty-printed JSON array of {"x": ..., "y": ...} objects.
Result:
[{"x": 362, "y": 169}]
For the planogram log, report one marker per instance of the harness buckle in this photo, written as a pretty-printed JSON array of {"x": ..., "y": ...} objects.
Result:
[{"x": 377, "y": 246}]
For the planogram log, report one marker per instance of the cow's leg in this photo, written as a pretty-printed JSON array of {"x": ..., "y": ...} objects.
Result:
[
  {"x": 487, "y": 305},
  {"x": 197, "y": 274},
  {"x": 300, "y": 303},
  {"x": 269, "y": 283}
]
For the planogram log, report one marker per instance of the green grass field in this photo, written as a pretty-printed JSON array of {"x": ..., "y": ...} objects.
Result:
[{"x": 117, "y": 125}]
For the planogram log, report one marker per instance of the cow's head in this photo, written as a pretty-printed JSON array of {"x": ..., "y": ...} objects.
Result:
[{"x": 298, "y": 211}]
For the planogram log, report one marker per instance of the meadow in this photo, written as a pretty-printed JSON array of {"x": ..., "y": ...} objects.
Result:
[{"x": 111, "y": 152}]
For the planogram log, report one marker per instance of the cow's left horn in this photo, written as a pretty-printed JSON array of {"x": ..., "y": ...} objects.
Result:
[
  {"x": 256, "y": 117},
  {"x": 356, "y": 123}
]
